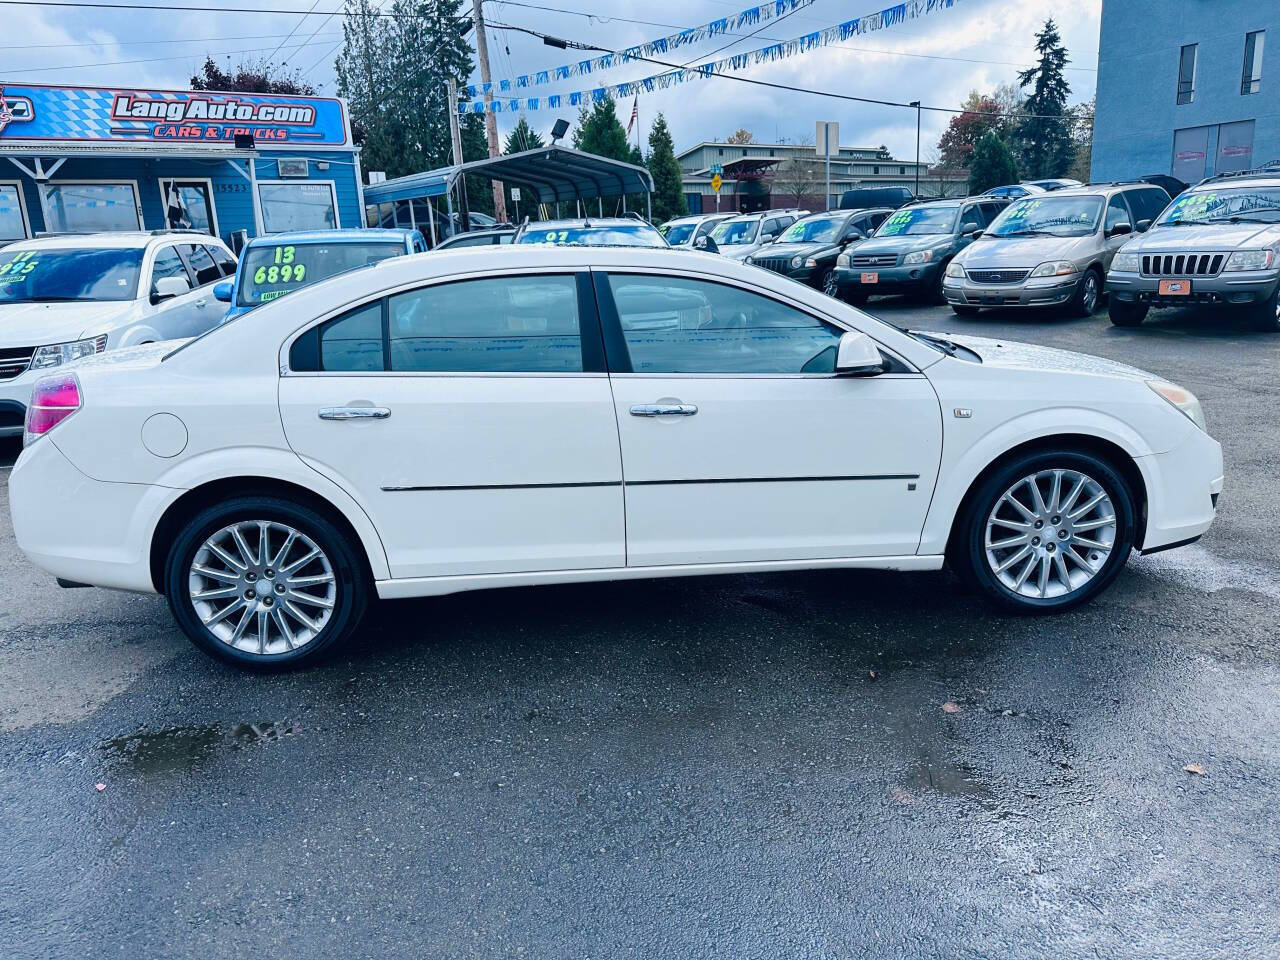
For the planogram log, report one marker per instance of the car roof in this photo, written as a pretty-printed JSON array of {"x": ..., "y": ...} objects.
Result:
[
  {"x": 1227, "y": 183},
  {"x": 587, "y": 222},
  {"x": 346, "y": 235},
  {"x": 115, "y": 240}
]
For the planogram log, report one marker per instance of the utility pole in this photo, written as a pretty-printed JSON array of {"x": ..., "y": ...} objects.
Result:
[
  {"x": 490, "y": 120},
  {"x": 916, "y": 104},
  {"x": 455, "y": 134}
]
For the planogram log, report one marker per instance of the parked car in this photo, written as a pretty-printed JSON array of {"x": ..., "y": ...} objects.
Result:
[
  {"x": 911, "y": 249},
  {"x": 770, "y": 428},
  {"x": 739, "y": 237},
  {"x": 1014, "y": 191},
  {"x": 590, "y": 232},
  {"x": 807, "y": 250},
  {"x": 1051, "y": 250},
  {"x": 1217, "y": 244},
  {"x": 278, "y": 264},
  {"x": 866, "y": 198},
  {"x": 1171, "y": 185},
  {"x": 496, "y": 236},
  {"x": 683, "y": 231},
  {"x": 1057, "y": 183},
  {"x": 65, "y": 297}
]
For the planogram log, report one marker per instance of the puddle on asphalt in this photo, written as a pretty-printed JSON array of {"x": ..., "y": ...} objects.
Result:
[
  {"x": 952, "y": 779},
  {"x": 1195, "y": 566},
  {"x": 181, "y": 748}
]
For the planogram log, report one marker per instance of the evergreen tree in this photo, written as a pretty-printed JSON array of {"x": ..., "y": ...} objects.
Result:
[
  {"x": 600, "y": 132},
  {"x": 668, "y": 190},
  {"x": 1043, "y": 140},
  {"x": 522, "y": 137},
  {"x": 991, "y": 164}
]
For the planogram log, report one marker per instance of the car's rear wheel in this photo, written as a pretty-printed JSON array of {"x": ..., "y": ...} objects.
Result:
[
  {"x": 1046, "y": 532},
  {"x": 965, "y": 311},
  {"x": 1088, "y": 293},
  {"x": 1126, "y": 314},
  {"x": 262, "y": 581},
  {"x": 1266, "y": 316}
]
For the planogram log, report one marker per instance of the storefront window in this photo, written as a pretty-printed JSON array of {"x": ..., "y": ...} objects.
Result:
[
  {"x": 12, "y": 225},
  {"x": 91, "y": 207},
  {"x": 188, "y": 206},
  {"x": 297, "y": 206}
]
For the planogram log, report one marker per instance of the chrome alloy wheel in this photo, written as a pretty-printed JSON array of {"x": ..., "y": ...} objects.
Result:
[
  {"x": 262, "y": 587},
  {"x": 1089, "y": 298},
  {"x": 829, "y": 285},
  {"x": 1050, "y": 533}
]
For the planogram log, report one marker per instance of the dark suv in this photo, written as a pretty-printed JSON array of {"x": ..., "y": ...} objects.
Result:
[
  {"x": 910, "y": 251},
  {"x": 807, "y": 250}
]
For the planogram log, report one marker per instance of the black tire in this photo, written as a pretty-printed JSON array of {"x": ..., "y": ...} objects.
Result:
[
  {"x": 1266, "y": 315},
  {"x": 933, "y": 294},
  {"x": 857, "y": 297},
  {"x": 1088, "y": 294},
  {"x": 966, "y": 311},
  {"x": 1124, "y": 314},
  {"x": 351, "y": 582},
  {"x": 968, "y": 554}
]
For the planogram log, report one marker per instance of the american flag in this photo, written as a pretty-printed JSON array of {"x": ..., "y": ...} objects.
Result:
[{"x": 635, "y": 114}]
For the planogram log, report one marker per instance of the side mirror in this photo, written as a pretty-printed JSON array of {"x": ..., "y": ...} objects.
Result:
[
  {"x": 858, "y": 356},
  {"x": 971, "y": 229},
  {"x": 1143, "y": 226},
  {"x": 767, "y": 237},
  {"x": 854, "y": 236},
  {"x": 166, "y": 288},
  {"x": 1121, "y": 229},
  {"x": 222, "y": 290}
]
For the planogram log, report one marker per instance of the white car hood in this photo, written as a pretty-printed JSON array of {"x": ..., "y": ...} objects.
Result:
[
  {"x": 35, "y": 324},
  {"x": 1012, "y": 355}
]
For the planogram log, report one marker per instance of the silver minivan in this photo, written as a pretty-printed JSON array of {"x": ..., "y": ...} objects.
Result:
[
  {"x": 1051, "y": 249},
  {"x": 740, "y": 236}
]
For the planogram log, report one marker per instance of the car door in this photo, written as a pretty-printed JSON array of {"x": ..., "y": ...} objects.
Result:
[
  {"x": 194, "y": 312},
  {"x": 471, "y": 419},
  {"x": 172, "y": 317},
  {"x": 739, "y": 443},
  {"x": 1117, "y": 212}
]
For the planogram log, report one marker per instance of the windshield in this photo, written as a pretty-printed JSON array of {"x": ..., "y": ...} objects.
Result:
[
  {"x": 641, "y": 235},
  {"x": 1056, "y": 216},
  {"x": 735, "y": 231},
  {"x": 915, "y": 220},
  {"x": 813, "y": 230},
  {"x": 269, "y": 270},
  {"x": 1261, "y": 203},
  {"x": 49, "y": 275},
  {"x": 677, "y": 233}
]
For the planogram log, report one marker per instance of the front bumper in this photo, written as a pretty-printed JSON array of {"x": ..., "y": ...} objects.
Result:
[
  {"x": 1183, "y": 486},
  {"x": 889, "y": 280},
  {"x": 1041, "y": 292},
  {"x": 1226, "y": 289},
  {"x": 802, "y": 274}
]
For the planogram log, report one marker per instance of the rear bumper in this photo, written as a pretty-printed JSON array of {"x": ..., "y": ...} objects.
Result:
[
  {"x": 1226, "y": 289},
  {"x": 1183, "y": 487},
  {"x": 1047, "y": 292}
]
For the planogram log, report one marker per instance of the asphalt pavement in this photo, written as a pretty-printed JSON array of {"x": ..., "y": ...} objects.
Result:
[{"x": 823, "y": 764}]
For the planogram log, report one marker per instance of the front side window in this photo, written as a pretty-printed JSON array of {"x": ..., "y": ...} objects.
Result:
[
  {"x": 1251, "y": 80},
  {"x": 1147, "y": 204},
  {"x": 13, "y": 226},
  {"x": 1051, "y": 215},
  {"x": 919, "y": 220},
  {"x": 273, "y": 269},
  {"x": 168, "y": 264},
  {"x": 297, "y": 206},
  {"x": 51, "y": 274},
  {"x": 1117, "y": 213},
  {"x": 493, "y": 325},
  {"x": 91, "y": 207},
  {"x": 678, "y": 325},
  {"x": 1187, "y": 74}
]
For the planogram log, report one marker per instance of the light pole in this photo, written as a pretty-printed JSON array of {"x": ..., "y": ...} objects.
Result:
[{"x": 916, "y": 104}]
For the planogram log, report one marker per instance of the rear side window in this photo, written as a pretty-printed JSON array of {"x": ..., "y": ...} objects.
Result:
[
  {"x": 1148, "y": 203},
  {"x": 353, "y": 341},
  {"x": 223, "y": 258},
  {"x": 202, "y": 265},
  {"x": 992, "y": 210}
]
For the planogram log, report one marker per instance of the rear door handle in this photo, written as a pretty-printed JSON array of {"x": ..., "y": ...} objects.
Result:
[
  {"x": 664, "y": 410},
  {"x": 354, "y": 413}
]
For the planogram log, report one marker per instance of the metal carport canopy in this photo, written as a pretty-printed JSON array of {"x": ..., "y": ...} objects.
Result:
[{"x": 553, "y": 173}]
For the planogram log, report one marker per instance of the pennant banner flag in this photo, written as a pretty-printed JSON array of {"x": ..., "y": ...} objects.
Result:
[
  {"x": 747, "y": 18},
  {"x": 889, "y": 17}
]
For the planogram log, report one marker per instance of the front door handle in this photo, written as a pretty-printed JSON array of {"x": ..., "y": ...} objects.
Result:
[
  {"x": 354, "y": 413},
  {"x": 202, "y": 303},
  {"x": 664, "y": 410}
]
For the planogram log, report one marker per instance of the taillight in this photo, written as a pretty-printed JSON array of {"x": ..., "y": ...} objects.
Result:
[{"x": 53, "y": 399}]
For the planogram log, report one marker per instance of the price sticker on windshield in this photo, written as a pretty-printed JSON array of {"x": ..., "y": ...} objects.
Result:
[
  {"x": 17, "y": 268},
  {"x": 897, "y": 223},
  {"x": 284, "y": 268}
]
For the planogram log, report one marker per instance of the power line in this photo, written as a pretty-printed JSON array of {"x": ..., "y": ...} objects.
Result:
[
  {"x": 285, "y": 11},
  {"x": 301, "y": 21},
  {"x": 315, "y": 31},
  {"x": 139, "y": 43},
  {"x": 118, "y": 63}
]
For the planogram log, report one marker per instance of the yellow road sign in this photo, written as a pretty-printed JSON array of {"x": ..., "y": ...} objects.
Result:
[{"x": 716, "y": 182}]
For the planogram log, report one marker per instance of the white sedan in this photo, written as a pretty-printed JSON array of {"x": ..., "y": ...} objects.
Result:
[{"x": 475, "y": 419}]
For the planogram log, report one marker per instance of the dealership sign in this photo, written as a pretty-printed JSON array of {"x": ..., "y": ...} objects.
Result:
[{"x": 98, "y": 115}]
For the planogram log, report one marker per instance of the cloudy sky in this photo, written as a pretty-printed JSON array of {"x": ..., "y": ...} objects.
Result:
[{"x": 936, "y": 59}]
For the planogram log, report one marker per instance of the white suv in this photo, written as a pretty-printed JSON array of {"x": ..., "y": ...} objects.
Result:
[{"x": 66, "y": 297}]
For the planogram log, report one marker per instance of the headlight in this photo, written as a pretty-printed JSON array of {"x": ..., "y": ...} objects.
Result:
[
  {"x": 797, "y": 261},
  {"x": 842, "y": 260},
  {"x": 1127, "y": 262},
  {"x": 54, "y": 354},
  {"x": 918, "y": 256},
  {"x": 1181, "y": 398},
  {"x": 1055, "y": 268},
  {"x": 1251, "y": 260},
  {"x": 955, "y": 270}
]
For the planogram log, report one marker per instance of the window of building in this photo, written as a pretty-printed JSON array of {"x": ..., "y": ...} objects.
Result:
[
  {"x": 13, "y": 219},
  {"x": 1187, "y": 73},
  {"x": 1251, "y": 80},
  {"x": 91, "y": 207},
  {"x": 298, "y": 206},
  {"x": 1235, "y": 147}
]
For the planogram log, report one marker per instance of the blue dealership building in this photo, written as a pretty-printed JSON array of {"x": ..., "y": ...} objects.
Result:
[
  {"x": 87, "y": 159},
  {"x": 1185, "y": 88}
]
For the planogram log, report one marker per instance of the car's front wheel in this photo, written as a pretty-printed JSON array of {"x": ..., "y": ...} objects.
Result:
[
  {"x": 965, "y": 311},
  {"x": 1266, "y": 316},
  {"x": 827, "y": 284},
  {"x": 263, "y": 581},
  {"x": 1046, "y": 532},
  {"x": 1088, "y": 293},
  {"x": 1126, "y": 314}
]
